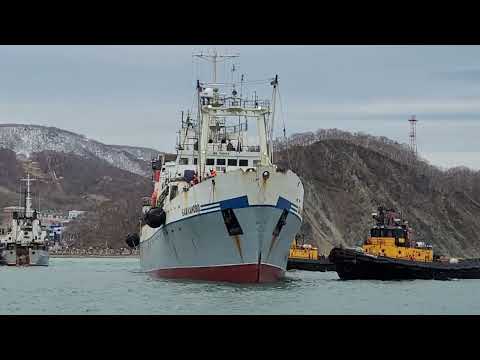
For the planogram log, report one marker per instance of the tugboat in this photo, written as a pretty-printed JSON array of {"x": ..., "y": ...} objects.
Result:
[
  {"x": 222, "y": 211},
  {"x": 26, "y": 241},
  {"x": 391, "y": 253},
  {"x": 306, "y": 257}
]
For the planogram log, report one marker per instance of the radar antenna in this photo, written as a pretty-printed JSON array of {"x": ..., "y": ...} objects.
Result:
[{"x": 214, "y": 57}]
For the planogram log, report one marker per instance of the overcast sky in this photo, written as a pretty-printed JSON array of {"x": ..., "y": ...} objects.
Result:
[{"x": 133, "y": 95}]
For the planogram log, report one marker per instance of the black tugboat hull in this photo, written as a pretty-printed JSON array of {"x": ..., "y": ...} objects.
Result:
[
  {"x": 352, "y": 264},
  {"x": 322, "y": 265}
]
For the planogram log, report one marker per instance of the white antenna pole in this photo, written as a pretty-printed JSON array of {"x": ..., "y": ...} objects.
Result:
[
  {"x": 203, "y": 124},
  {"x": 28, "y": 199},
  {"x": 241, "y": 87},
  {"x": 272, "y": 123},
  {"x": 201, "y": 135},
  {"x": 215, "y": 58},
  {"x": 20, "y": 198}
]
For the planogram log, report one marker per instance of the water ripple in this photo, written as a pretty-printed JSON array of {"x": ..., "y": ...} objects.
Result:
[{"x": 117, "y": 286}]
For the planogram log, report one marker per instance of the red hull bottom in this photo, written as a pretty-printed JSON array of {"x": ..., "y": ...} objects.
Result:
[{"x": 243, "y": 273}]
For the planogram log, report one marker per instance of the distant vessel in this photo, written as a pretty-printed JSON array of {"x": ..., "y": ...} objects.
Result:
[
  {"x": 306, "y": 257},
  {"x": 26, "y": 241},
  {"x": 391, "y": 253},
  {"x": 222, "y": 211}
]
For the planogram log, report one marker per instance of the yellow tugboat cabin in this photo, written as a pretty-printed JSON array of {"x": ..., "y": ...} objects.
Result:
[
  {"x": 393, "y": 238},
  {"x": 304, "y": 251}
]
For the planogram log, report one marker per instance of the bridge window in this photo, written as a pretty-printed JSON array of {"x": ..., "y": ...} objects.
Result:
[
  {"x": 232, "y": 162},
  {"x": 184, "y": 161},
  {"x": 195, "y": 161},
  {"x": 220, "y": 161},
  {"x": 243, "y": 162},
  {"x": 210, "y": 161},
  {"x": 255, "y": 162}
]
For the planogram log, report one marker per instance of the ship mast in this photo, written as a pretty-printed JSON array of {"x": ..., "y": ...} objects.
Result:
[
  {"x": 215, "y": 58},
  {"x": 274, "y": 83},
  {"x": 28, "y": 198},
  {"x": 213, "y": 106},
  {"x": 203, "y": 125}
]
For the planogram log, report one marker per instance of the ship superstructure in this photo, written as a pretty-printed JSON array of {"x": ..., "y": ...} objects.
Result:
[
  {"x": 26, "y": 241},
  {"x": 222, "y": 210}
]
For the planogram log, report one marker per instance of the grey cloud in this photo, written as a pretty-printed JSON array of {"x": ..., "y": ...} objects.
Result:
[{"x": 134, "y": 94}]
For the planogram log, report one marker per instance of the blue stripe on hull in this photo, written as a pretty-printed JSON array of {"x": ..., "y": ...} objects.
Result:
[
  {"x": 238, "y": 203},
  {"x": 283, "y": 203},
  {"x": 235, "y": 203}
]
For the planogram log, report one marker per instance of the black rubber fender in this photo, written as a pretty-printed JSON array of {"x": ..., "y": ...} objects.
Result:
[
  {"x": 132, "y": 240},
  {"x": 155, "y": 217}
]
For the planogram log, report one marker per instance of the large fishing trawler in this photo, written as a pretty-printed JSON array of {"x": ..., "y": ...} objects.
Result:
[
  {"x": 222, "y": 211},
  {"x": 25, "y": 243}
]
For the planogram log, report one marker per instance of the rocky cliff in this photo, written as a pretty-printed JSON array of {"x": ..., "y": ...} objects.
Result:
[{"x": 347, "y": 176}]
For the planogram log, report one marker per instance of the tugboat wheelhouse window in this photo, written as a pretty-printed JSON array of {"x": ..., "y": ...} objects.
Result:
[
  {"x": 243, "y": 162},
  {"x": 398, "y": 233},
  {"x": 232, "y": 162},
  {"x": 195, "y": 161},
  {"x": 220, "y": 161},
  {"x": 210, "y": 161}
]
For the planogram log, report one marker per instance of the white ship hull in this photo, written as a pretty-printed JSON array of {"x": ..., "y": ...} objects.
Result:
[
  {"x": 25, "y": 257},
  {"x": 195, "y": 242}
]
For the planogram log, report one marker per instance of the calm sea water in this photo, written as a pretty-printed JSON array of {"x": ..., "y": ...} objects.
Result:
[{"x": 115, "y": 286}]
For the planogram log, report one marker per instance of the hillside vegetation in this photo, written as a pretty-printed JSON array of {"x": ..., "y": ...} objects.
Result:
[{"x": 111, "y": 196}]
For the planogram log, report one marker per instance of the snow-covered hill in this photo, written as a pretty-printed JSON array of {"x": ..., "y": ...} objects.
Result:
[{"x": 28, "y": 139}]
